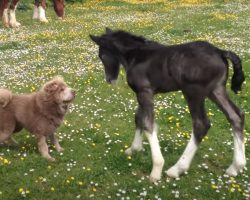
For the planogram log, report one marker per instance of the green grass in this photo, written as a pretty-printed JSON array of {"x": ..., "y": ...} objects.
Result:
[{"x": 100, "y": 124}]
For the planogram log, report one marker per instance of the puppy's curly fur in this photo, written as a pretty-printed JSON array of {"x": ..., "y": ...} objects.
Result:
[{"x": 41, "y": 113}]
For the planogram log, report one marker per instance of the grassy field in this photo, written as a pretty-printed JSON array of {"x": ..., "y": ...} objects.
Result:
[{"x": 100, "y": 124}]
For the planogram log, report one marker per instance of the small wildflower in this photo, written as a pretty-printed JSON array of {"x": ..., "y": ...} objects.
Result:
[{"x": 80, "y": 183}]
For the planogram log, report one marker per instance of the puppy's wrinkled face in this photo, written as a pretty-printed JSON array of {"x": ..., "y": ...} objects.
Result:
[{"x": 58, "y": 91}]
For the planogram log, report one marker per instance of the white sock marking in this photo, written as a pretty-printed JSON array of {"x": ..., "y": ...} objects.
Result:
[
  {"x": 136, "y": 144},
  {"x": 13, "y": 22},
  {"x": 42, "y": 16},
  {"x": 5, "y": 17},
  {"x": 158, "y": 160},
  {"x": 185, "y": 160},
  {"x": 35, "y": 13},
  {"x": 239, "y": 159}
]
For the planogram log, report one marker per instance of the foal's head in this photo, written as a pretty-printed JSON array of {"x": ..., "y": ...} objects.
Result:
[
  {"x": 108, "y": 57},
  {"x": 111, "y": 45}
]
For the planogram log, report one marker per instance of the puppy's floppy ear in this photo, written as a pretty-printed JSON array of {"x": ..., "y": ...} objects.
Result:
[{"x": 50, "y": 87}]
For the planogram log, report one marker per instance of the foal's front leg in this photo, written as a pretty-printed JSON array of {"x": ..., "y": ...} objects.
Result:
[
  {"x": 137, "y": 142},
  {"x": 146, "y": 120}
]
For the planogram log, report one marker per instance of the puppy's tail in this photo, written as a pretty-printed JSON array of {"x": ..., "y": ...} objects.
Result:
[{"x": 5, "y": 97}]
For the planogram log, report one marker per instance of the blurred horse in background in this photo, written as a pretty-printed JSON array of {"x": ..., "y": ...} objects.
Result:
[{"x": 8, "y": 11}]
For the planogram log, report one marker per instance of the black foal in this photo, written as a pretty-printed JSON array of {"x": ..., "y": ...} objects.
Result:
[{"x": 198, "y": 69}]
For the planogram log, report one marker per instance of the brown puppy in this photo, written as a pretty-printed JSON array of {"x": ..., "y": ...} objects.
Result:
[{"x": 41, "y": 113}]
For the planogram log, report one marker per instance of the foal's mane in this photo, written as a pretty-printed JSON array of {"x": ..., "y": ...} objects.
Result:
[{"x": 123, "y": 35}]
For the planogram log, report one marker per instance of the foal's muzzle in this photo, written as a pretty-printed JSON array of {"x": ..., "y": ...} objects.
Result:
[{"x": 111, "y": 81}]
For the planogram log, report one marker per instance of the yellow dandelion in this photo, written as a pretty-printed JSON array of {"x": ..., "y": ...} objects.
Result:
[
  {"x": 232, "y": 190},
  {"x": 80, "y": 183},
  {"x": 5, "y": 161},
  {"x": 20, "y": 190},
  {"x": 214, "y": 186},
  {"x": 210, "y": 114}
]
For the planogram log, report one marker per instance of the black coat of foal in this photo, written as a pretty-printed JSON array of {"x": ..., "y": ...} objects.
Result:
[{"x": 198, "y": 69}]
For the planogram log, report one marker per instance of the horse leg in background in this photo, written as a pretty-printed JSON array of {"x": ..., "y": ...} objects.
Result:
[
  {"x": 4, "y": 12},
  {"x": 13, "y": 23},
  {"x": 59, "y": 8},
  {"x": 36, "y": 11},
  {"x": 145, "y": 100},
  {"x": 236, "y": 119},
  {"x": 137, "y": 142},
  {"x": 200, "y": 127},
  {"x": 39, "y": 10}
]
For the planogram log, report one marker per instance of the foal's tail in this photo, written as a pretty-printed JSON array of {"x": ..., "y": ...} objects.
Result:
[{"x": 238, "y": 74}]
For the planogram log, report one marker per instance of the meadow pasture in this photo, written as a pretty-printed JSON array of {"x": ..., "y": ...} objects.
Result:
[{"x": 100, "y": 124}]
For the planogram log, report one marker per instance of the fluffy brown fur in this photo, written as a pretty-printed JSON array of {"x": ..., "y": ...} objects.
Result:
[
  {"x": 41, "y": 113},
  {"x": 5, "y": 97}
]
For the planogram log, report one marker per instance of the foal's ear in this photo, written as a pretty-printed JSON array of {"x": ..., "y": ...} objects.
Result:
[
  {"x": 108, "y": 30},
  {"x": 96, "y": 39}
]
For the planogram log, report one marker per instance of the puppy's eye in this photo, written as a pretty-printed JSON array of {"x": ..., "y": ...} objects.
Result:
[{"x": 62, "y": 89}]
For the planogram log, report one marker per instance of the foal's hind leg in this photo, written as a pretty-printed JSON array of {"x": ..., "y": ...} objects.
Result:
[
  {"x": 137, "y": 142},
  {"x": 236, "y": 119},
  {"x": 200, "y": 127}
]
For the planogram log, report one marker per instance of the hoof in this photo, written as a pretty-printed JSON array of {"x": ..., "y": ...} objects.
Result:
[
  {"x": 154, "y": 179},
  {"x": 44, "y": 20},
  {"x": 129, "y": 151},
  {"x": 51, "y": 159},
  {"x": 14, "y": 24},
  {"x": 173, "y": 172},
  {"x": 235, "y": 169},
  {"x": 231, "y": 171}
]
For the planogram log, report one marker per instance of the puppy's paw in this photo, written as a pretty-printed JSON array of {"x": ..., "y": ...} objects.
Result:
[
  {"x": 51, "y": 159},
  {"x": 59, "y": 149}
]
